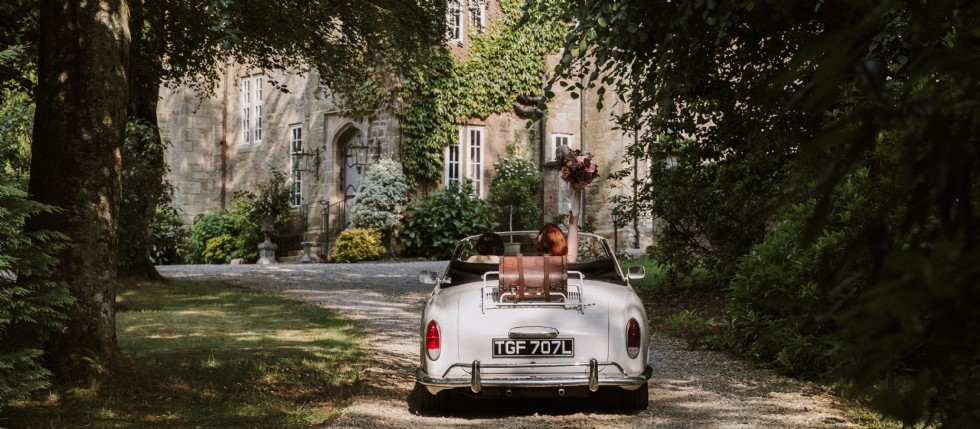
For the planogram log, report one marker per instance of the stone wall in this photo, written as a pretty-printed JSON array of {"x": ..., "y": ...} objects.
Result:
[{"x": 207, "y": 172}]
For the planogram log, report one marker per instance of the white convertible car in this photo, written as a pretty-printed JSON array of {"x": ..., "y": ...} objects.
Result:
[{"x": 534, "y": 326}]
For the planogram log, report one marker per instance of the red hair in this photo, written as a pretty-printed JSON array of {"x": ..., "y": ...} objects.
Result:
[{"x": 551, "y": 241}]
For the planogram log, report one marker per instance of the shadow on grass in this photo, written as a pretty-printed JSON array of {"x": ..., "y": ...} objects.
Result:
[{"x": 213, "y": 356}]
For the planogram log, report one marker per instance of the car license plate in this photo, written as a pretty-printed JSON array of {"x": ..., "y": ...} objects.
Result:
[{"x": 558, "y": 347}]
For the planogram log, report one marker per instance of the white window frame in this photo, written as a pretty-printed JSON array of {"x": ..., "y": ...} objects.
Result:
[
  {"x": 478, "y": 15},
  {"x": 246, "y": 111},
  {"x": 295, "y": 174},
  {"x": 464, "y": 159},
  {"x": 557, "y": 139},
  {"x": 453, "y": 165},
  {"x": 454, "y": 21},
  {"x": 474, "y": 158},
  {"x": 252, "y": 109}
]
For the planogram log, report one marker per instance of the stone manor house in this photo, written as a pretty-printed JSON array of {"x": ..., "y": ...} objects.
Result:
[{"x": 233, "y": 139}]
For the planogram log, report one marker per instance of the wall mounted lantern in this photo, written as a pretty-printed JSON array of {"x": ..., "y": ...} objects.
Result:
[
  {"x": 309, "y": 161},
  {"x": 359, "y": 154}
]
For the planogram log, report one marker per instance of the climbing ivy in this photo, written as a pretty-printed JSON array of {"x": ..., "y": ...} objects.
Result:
[{"x": 506, "y": 60}]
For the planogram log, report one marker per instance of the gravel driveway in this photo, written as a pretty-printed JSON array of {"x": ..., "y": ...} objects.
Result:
[{"x": 689, "y": 388}]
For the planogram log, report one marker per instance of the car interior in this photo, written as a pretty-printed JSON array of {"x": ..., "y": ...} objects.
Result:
[{"x": 594, "y": 260}]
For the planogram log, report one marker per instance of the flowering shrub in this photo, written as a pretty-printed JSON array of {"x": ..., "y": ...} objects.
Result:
[
  {"x": 272, "y": 197},
  {"x": 578, "y": 169},
  {"x": 381, "y": 197}
]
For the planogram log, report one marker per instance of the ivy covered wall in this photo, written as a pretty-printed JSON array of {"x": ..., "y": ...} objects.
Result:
[{"x": 503, "y": 62}]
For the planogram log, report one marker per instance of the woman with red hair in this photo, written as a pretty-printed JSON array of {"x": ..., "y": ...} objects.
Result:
[{"x": 551, "y": 241}]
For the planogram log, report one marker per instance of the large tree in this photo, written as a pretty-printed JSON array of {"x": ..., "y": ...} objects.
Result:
[
  {"x": 82, "y": 97},
  {"x": 863, "y": 115},
  {"x": 90, "y": 72},
  {"x": 719, "y": 137}
]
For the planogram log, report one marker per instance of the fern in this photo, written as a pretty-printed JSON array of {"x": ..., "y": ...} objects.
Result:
[{"x": 31, "y": 307}]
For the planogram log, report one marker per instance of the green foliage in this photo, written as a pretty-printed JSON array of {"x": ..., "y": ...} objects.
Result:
[
  {"x": 356, "y": 245},
  {"x": 205, "y": 227},
  {"x": 273, "y": 197},
  {"x": 31, "y": 307},
  {"x": 16, "y": 122},
  {"x": 240, "y": 223},
  {"x": 512, "y": 190},
  {"x": 144, "y": 188},
  {"x": 719, "y": 166},
  {"x": 750, "y": 107},
  {"x": 778, "y": 309},
  {"x": 503, "y": 62},
  {"x": 218, "y": 250},
  {"x": 18, "y": 50},
  {"x": 356, "y": 51},
  {"x": 909, "y": 116},
  {"x": 169, "y": 237},
  {"x": 247, "y": 226},
  {"x": 434, "y": 225},
  {"x": 697, "y": 330},
  {"x": 381, "y": 197}
]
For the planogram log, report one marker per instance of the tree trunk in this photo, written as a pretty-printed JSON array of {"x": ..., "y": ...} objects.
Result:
[
  {"x": 144, "y": 79},
  {"x": 79, "y": 126}
]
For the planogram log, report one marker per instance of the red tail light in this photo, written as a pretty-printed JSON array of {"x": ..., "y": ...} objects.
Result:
[
  {"x": 633, "y": 338},
  {"x": 433, "y": 346}
]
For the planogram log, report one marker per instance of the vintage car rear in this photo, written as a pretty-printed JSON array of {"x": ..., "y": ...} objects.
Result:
[{"x": 479, "y": 339}]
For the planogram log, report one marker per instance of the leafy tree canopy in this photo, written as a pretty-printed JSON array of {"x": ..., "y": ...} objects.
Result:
[
  {"x": 347, "y": 44},
  {"x": 18, "y": 44},
  {"x": 745, "y": 107}
]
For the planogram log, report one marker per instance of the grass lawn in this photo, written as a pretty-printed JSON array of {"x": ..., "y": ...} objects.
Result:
[{"x": 207, "y": 355}]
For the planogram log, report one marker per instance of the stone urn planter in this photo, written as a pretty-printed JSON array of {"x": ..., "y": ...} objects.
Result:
[{"x": 267, "y": 249}]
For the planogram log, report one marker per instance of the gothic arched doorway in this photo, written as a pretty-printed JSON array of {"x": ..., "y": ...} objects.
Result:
[{"x": 354, "y": 153}]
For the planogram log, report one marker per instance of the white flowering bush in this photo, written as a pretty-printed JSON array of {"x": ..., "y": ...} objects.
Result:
[{"x": 381, "y": 199}]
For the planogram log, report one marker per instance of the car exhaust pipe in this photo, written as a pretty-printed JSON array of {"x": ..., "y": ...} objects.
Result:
[
  {"x": 561, "y": 392},
  {"x": 509, "y": 393}
]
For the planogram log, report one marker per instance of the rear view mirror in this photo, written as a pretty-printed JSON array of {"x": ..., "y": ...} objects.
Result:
[
  {"x": 637, "y": 272},
  {"x": 428, "y": 277}
]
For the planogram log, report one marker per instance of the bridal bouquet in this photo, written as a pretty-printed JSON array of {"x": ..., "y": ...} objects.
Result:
[{"x": 578, "y": 169}]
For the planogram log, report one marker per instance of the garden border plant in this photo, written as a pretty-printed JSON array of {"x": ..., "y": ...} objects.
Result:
[
  {"x": 218, "y": 236},
  {"x": 434, "y": 225},
  {"x": 381, "y": 199}
]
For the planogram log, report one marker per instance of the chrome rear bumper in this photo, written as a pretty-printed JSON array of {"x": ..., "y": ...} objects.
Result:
[{"x": 477, "y": 380}]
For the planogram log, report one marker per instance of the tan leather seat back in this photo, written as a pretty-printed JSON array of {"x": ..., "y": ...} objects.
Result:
[{"x": 533, "y": 277}]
